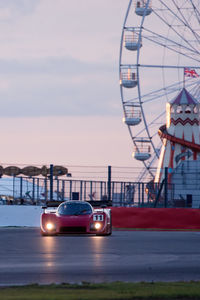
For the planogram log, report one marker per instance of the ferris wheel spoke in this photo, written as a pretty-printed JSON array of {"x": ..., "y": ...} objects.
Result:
[
  {"x": 175, "y": 31},
  {"x": 170, "y": 44},
  {"x": 197, "y": 13},
  {"x": 185, "y": 21},
  {"x": 196, "y": 91},
  {"x": 166, "y": 66},
  {"x": 182, "y": 18},
  {"x": 149, "y": 125},
  {"x": 154, "y": 95},
  {"x": 166, "y": 91}
]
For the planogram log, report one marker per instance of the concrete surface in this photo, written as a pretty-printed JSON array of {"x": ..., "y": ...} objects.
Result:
[{"x": 26, "y": 257}]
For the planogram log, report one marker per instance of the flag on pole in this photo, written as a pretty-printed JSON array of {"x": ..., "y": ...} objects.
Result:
[{"x": 188, "y": 72}]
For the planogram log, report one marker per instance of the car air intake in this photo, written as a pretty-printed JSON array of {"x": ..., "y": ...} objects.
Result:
[{"x": 74, "y": 229}]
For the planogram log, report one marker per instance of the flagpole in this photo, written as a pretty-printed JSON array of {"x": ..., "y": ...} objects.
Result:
[{"x": 183, "y": 77}]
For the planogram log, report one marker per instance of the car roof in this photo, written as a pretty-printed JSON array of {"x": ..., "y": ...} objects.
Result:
[{"x": 75, "y": 201}]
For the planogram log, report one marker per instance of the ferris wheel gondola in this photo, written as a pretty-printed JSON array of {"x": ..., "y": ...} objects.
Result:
[{"x": 159, "y": 40}]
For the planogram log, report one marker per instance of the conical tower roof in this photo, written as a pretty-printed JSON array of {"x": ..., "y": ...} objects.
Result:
[{"x": 184, "y": 98}]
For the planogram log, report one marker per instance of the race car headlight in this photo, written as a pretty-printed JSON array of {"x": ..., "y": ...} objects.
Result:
[
  {"x": 97, "y": 226},
  {"x": 50, "y": 226}
]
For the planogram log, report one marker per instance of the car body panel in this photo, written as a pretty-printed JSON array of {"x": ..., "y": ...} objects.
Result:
[{"x": 97, "y": 221}]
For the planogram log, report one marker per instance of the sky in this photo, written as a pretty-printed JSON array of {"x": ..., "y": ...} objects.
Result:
[
  {"x": 59, "y": 87},
  {"x": 59, "y": 84}
]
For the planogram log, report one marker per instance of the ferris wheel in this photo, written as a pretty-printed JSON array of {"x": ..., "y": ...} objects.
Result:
[{"x": 159, "y": 55}]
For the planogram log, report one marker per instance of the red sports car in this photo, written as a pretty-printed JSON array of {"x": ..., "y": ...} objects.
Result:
[{"x": 76, "y": 217}]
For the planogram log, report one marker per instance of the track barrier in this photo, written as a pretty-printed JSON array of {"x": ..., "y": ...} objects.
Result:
[
  {"x": 156, "y": 218},
  {"x": 128, "y": 218}
]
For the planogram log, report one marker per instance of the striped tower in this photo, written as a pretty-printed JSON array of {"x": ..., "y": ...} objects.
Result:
[{"x": 180, "y": 135}]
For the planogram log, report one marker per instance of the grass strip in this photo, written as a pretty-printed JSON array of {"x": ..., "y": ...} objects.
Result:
[{"x": 104, "y": 291}]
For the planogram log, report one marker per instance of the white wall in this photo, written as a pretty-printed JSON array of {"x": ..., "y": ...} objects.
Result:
[{"x": 20, "y": 215}]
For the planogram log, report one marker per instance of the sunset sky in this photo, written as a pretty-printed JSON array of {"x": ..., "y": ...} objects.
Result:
[
  {"x": 59, "y": 90},
  {"x": 59, "y": 81}
]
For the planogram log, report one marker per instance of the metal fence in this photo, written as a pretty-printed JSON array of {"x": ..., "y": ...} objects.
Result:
[
  {"x": 184, "y": 192},
  {"x": 37, "y": 191}
]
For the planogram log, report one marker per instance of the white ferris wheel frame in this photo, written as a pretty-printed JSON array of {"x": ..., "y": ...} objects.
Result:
[{"x": 152, "y": 95}]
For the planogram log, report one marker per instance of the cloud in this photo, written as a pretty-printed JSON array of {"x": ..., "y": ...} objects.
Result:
[
  {"x": 85, "y": 30},
  {"x": 12, "y": 9},
  {"x": 66, "y": 140},
  {"x": 52, "y": 65},
  {"x": 60, "y": 58},
  {"x": 55, "y": 100},
  {"x": 57, "y": 86}
]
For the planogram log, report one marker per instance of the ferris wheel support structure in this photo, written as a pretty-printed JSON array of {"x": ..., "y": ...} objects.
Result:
[{"x": 176, "y": 34}]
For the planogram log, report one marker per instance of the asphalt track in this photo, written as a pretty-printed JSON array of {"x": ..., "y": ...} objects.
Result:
[{"x": 26, "y": 257}]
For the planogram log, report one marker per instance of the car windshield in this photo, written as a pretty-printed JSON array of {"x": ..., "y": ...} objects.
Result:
[{"x": 74, "y": 209}]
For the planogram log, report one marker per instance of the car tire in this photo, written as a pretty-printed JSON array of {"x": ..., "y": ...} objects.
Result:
[
  {"x": 47, "y": 234},
  {"x": 106, "y": 234}
]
